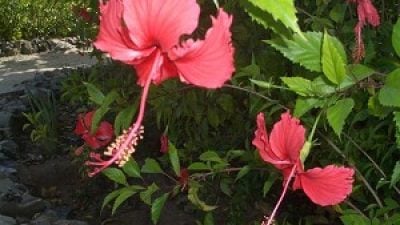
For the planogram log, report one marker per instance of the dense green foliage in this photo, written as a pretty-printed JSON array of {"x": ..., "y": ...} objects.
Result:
[{"x": 287, "y": 58}]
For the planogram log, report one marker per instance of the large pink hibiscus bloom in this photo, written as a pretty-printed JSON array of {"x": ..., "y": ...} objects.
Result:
[{"x": 146, "y": 34}]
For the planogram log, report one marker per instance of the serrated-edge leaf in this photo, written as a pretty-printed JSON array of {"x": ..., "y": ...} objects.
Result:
[
  {"x": 388, "y": 95},
  {"x": 396, "y": 118},
  {"x": 123, "y": 196},
  {"x": 303, "y": 105},
  {"x": 396, "y": 37},
  {"x": 299, "y": 85},
  {"x": 157, "y": 207},
  {"x": 145, "y": 195},
  {"x": 174, "y": 158},
  {"x": 338, "y": 113},
  {"x": 333, "y": 65},
  {"x": 242, "y": 172},
  {"x": 304, "y": 50},
  {"x": 151, "y": 166},
  {"x": 95, "y": 95},
  {"x": 263, "y": 84},
  {"x": 283, "y": 11},
  {"x": 132, "y": 169},
  {"x": 115, "y": 175}
]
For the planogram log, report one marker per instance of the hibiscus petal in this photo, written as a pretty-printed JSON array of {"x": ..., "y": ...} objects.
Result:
[
  {"x": 113, "y": 37},
  {"x": 91, "y": 141},
  {"x": 287, "y": 138},
  {"x": 160, "y": 22},
  {"x": 207, "y": 63},
  {"x": 104, "y": 133},
  {"x": 260, "y": 141},
  {"x": 327, "y": 186}
]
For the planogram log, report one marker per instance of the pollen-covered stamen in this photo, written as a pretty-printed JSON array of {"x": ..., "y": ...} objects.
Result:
[{"x": 130, "y": 145}]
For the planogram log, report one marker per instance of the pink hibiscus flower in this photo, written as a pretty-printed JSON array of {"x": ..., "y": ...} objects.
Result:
[
  {"x": 101, "y": 138},
  {"x": 367, "y": 14},
  {"x": 324, "y": 186},
  {"x": 146, "y": 34}
]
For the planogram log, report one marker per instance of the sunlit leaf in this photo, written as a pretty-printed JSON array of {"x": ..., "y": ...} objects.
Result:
[
  {"x": 333, "y": 63},
  {"x": 338, "y": 113}
]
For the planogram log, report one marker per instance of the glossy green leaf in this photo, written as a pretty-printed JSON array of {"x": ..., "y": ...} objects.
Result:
[
  {"x": 356, "y": 73},
  {"x": 151, "y": 166},
  {"x": 95, "y": 94},
  {"x": 269, "y": 182},
  {"x": 132, "y": 169},
  {"x": 210, "y": 156},
  {"x": 389, "y": 94},
  {"x": 338, "y": 113},
  {"x": 208, "y": 219},
  {"x": 282, "y": 10},
  {"x": 396, "y": 37},
  {"x": 157, "y": 207},
  {"x": 110, "y": 197},
  {"x": 145, "y": 196},
  {"x": 333, "y": 63},
  {"x": 299, "y": 85},
  {"x": 174, "y": 158},
  {"x": 198, "y": 166},
  {"x": 122, "y": 197},
  {"x": 243, "y": 171},
  {"x": 115, "y": 175},
  {"x": 124, "y": 119},
  {"x": 304, "y": 50}
]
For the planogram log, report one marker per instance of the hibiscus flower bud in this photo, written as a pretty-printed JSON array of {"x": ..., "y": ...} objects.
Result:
[{"x": 164, "y": 144}]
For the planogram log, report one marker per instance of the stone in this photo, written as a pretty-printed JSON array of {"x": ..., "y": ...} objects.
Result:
[
  {"x": 27, "y": 48},
  {"x": 24, "y": 206},
  {"x": 5, "y": 118},
  {"x": 69, "y": 222},
  {"x": 5, "y": 220},
  {"x": 46, "y": 218},
  {"x": 9, "y": 51},
  {"x": 9, "y": 148},
  {"x": 6, "y": 185}
]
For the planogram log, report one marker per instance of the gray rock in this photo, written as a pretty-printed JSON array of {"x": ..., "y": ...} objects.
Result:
[
  {"x": 26, "y": 206},
  {"x": 69, "y": 222},
  {"x": 27, "y": 47},
  {"x": 5, "y": 220},
  {"x": 6, "y": 185},
  {"x": 9, "y": 148},
  {"x": 46, "y": 218},
  {"x": 5, "y": 118},
  {"x": 10, "y": 51}
]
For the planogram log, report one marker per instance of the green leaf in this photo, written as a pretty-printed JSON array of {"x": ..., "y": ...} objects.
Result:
[
  {"x": 388, "y": 95},
  {"x": 338, "y": 113},
  {"x": 397, "y": 122},
  {"x": 243, "y": 171},
  {"x": 269, "y": 182},
  {"x": 195, "y": 200},
  {"x": 110, "y": 197},
  {"x": 100, "y": 112},
  {"x": 210, "y": 156},
  {"x": 396, "y": 174},
  {"x": 95, "y": 95},
  {"x": 145, "y": 196},
  {"x": 198, "y": 166},
  {"x": 265, "y": 19},
  {"x": 354, "y": 219},
  {"x": 151, "y": 166},
  {"x": 115, "y": 175},
  {"x": 299, "y": 85},
  {"x": 124, "y": 118},
  {"x": 132, "y": 169},
  {"x": 123, "y": 196},
  {"x": 303, "y": 105},
  {"x": 396, "y": 37},
  {"x": 208, "y": 219},
  {"x": 304, "y": 50},
  {"x": 356, "y": 73},
  {"x": 174, "y": 159},
  {"x": 333, "y": 63},
  {"x": 282, "y": 10},
  {"x": 263, "y": 84},
  {"x": 157, "y": 206}
]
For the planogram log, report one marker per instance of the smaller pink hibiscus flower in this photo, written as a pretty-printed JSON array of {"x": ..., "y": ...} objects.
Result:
[
  {"x": 101, "y": 138},
  {"x": 324, "y": 186}
]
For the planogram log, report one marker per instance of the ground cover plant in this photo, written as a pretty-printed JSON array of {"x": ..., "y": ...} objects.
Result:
[{"x": 231, "y": 104}]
